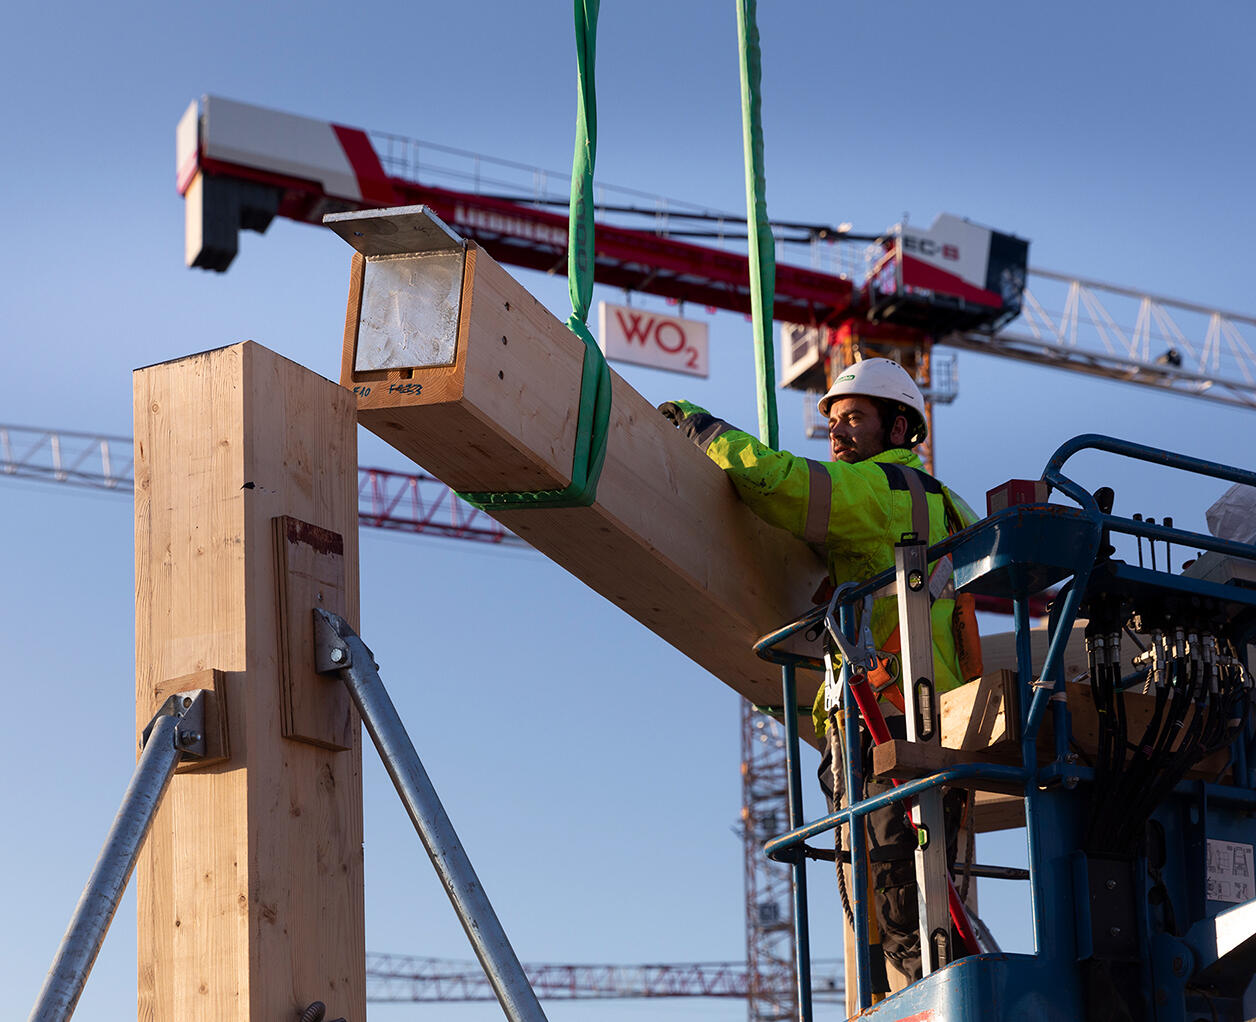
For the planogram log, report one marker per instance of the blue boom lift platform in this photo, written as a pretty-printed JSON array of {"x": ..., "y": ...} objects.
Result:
[{"x": 1140, "y": 878}]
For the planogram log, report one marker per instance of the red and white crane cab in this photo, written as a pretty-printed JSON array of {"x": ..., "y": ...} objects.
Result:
[
  {"x": 957, "y": 275},
  {"x": 239, "y": 166}
]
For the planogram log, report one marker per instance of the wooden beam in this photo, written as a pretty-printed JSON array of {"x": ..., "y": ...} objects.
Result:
[
  {"x": 904, "y": 761},
  {"x": 493, "y": 407},
  {"x": 998, "y": 651},
  {"x": 250, "y": 883},
  {"x": 994, "y": 810},
  {"x": 998, "y": 805},
  {"x": 457, "y": 366}
]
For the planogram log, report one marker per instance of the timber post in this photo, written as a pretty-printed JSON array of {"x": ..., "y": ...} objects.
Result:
[{"x": 250, "y": 883}]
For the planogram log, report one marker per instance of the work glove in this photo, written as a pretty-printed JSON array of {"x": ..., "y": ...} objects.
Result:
[
  {"x": 696, "y": 423},
  {"x": 677, "y": 411}
]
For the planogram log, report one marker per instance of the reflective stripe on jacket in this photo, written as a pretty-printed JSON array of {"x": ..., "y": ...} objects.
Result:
[{"x": 852, "y": 514}]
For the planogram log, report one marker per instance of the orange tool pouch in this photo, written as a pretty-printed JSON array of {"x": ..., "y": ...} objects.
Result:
[
  {"x": 967, "y": 652},
  {"x": 881, "y": 679}
]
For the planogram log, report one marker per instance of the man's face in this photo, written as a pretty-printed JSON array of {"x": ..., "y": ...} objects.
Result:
[{"x": 855, "y": 431}]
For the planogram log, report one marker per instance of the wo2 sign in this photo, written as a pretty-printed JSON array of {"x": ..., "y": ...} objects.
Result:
[{"x": 653, "y": 339}]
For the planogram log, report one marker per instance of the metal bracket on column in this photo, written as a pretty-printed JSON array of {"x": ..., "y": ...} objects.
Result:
[
  {"x": 188, "y": 708},
  {"x": 332, "y": 652},
  {"x": 921, "y": 707}
]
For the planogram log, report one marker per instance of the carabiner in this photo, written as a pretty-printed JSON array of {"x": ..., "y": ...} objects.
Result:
[{"x": 862, "y": 656}]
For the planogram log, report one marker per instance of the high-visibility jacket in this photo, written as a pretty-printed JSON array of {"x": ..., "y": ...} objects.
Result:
[{"x": 853, "y": 513}]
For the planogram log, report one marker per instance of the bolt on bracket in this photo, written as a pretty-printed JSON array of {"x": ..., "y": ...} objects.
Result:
[
  {"x": 188, "y": 708},
  {"x": 331, "y": 651}
]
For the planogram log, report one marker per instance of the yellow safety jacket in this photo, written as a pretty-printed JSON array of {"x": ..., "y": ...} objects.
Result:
[{"x": 852, "y": 514}]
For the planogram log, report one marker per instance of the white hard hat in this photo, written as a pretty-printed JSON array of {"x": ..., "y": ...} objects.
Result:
[{"x": 885, "y": 379}]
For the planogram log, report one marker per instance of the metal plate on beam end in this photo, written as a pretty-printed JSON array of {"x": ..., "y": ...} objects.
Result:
[
  {"x": 397, "y": 230},
  {"x": 410, "y": 308}
]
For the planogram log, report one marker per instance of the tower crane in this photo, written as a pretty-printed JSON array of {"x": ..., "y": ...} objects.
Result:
[
  {"x": 956, "y": 284},
  {"x": 904, "y": 292}
]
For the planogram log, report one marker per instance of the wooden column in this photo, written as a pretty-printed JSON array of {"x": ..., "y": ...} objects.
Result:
[{"x": 250, "y": 883}]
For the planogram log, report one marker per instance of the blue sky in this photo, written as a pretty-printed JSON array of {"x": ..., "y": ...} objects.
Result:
[{"x": 591, "y": 770}]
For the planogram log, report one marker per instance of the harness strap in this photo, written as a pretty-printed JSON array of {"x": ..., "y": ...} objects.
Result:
[
  {"x": 819, "y": 503},
  {"x": 919, "y": 504}
]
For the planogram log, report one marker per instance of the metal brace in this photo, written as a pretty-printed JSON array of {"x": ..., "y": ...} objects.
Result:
[
  {"x": 179, "y": 727},
  {"x": 188, "y": 708},
  {"x": 340, "y": 651}
]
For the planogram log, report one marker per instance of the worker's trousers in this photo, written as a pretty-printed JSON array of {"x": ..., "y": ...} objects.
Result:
[{"x": 891, "y": 843}]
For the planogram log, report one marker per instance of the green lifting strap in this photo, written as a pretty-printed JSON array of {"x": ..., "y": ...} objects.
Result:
[
  {"x": 595, "y": 380},
  {"x": 762, "y": 251}
]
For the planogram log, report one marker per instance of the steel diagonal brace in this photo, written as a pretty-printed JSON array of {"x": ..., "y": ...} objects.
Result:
[
  {"x": 339, "y": 650},
  {"x": 176, "y": 730}
]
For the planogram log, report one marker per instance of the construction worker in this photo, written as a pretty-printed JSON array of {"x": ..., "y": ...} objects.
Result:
[{"x": 854, "y": 509}]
